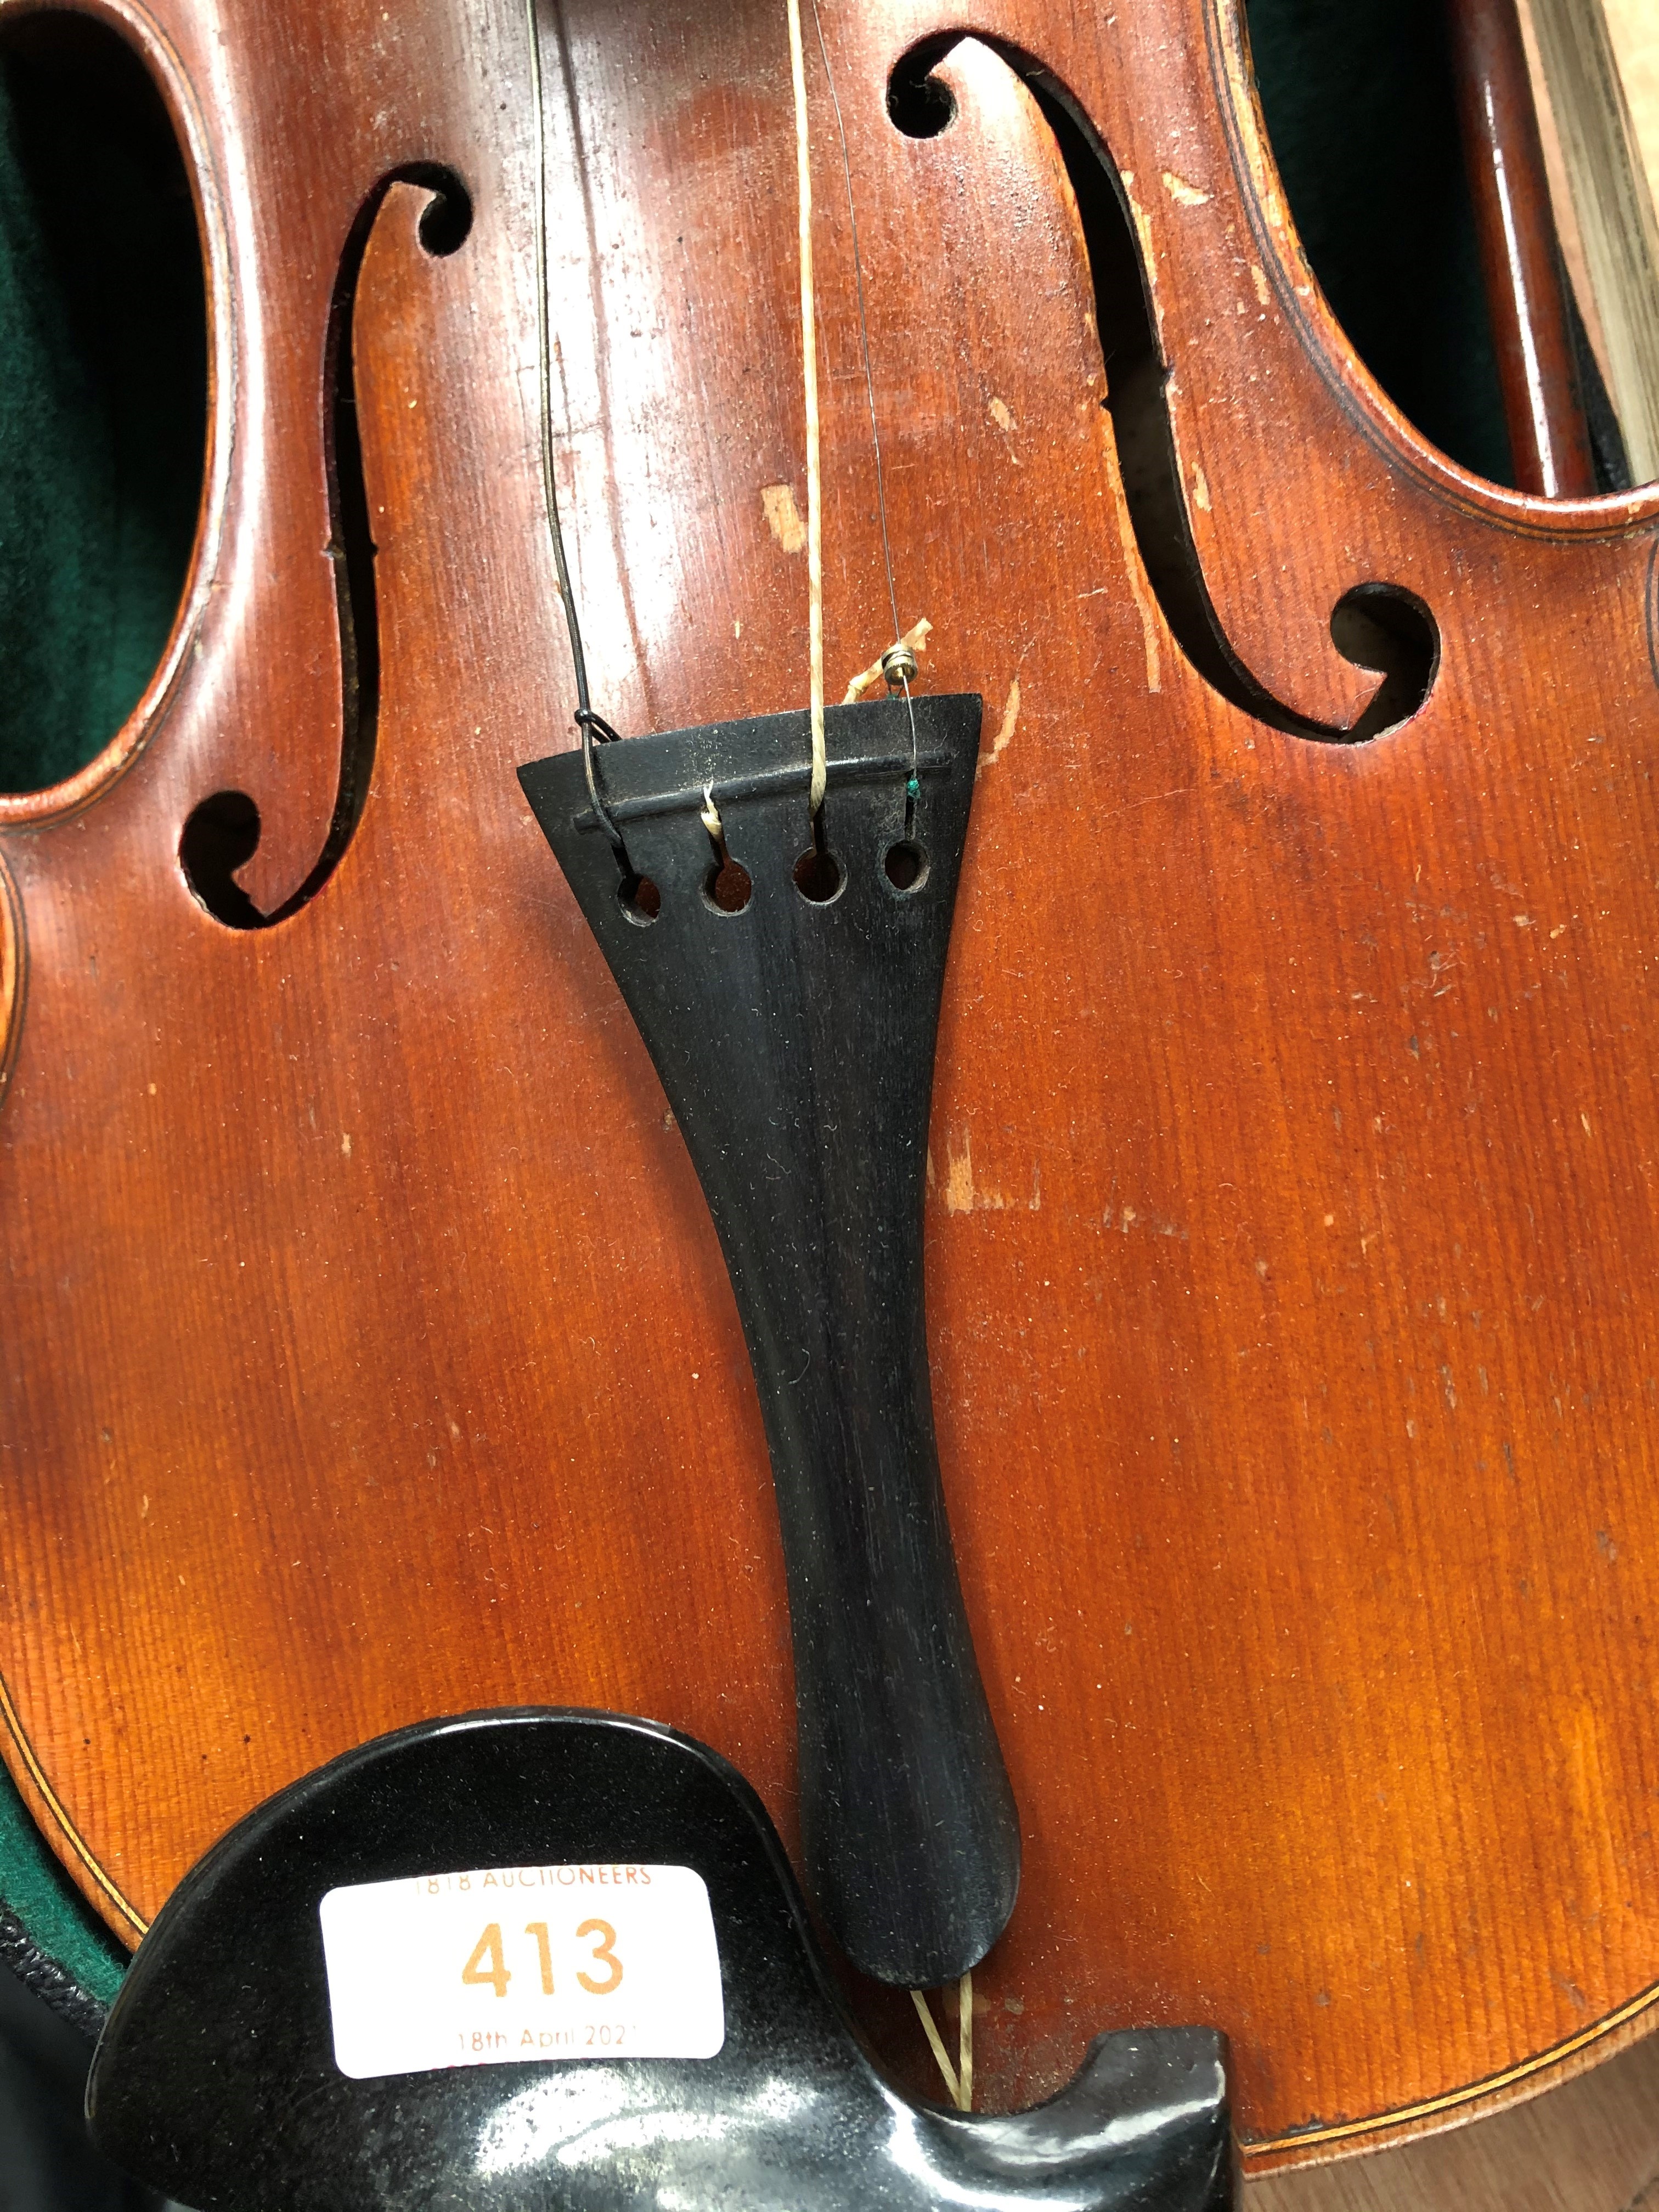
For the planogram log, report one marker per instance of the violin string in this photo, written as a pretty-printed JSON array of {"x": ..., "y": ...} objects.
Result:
[
  {"x": 591, "y": 725},
  {"x": 869, "y": 389},
  {"x": 959, "y": 2079},
  {"x": 810, "y": 360},
  {"x": 936, "y": 2045}
]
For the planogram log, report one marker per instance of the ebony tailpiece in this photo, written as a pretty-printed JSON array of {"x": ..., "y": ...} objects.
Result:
[
  {"x": 794, "y": 1038},
  {"x": 215, "y": 2079}
]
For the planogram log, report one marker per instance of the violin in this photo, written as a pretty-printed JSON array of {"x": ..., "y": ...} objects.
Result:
[{"x": 1284, "y": 1186}]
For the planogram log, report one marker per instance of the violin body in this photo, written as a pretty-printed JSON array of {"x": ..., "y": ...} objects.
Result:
[{"x": 1293, "y": 1234}]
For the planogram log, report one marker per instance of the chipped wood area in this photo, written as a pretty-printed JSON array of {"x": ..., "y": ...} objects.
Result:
[
  {"x": 962, "y": 1195},
  {"x": 1183, "y": 193},
  {"x": 783, "y": 517},
  {"x": 1004, "y": 736}
]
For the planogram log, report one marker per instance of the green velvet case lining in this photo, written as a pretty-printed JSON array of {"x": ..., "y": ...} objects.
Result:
[
  {"x": 103, "y": 398},
  {"x": 48, "y": 1908}
]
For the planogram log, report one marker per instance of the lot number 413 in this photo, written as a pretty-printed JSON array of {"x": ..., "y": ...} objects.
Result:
[{"x": 488, "y": 1968}]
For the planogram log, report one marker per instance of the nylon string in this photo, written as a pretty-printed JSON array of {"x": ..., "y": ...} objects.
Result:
[
  {"x": 870, "y": 392},
  {"x": 809, "y": 346},
  {"x": 958, "y": 2078}
]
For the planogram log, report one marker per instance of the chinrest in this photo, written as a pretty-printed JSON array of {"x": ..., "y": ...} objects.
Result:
[{"x": 334, "y": 1927}]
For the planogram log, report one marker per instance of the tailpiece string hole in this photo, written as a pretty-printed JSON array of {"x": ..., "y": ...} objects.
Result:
[
  {"x": 727, "y": 887},
  {"x": 905, "y": 866},
  {"x": 818, "y": 875},
  {"x": 639, "y": 899}
]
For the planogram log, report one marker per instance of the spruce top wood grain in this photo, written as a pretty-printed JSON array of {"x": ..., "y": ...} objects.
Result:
[{"x": 1293, "y": 1223}]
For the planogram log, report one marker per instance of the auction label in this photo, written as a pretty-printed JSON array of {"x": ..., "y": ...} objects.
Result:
[{"x": 509, "y": 1964}]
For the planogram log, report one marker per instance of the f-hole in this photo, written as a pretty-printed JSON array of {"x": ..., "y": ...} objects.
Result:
[
  {"x": 1380, "y": 627},
  {"x": 223, "y": 832}
]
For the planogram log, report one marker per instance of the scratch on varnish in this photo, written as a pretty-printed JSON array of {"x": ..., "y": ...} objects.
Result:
[
  {"x": 1004, "y": 737},
  {"x": 1144, "y": 233},
  {"x": 12, "y": 964},
  {"x": 1138, "y": 590},
  {"x": 1258, "y": 278},
  {"x": 783, "y": 517},
  {"x": 1128, "y": 1217}
]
